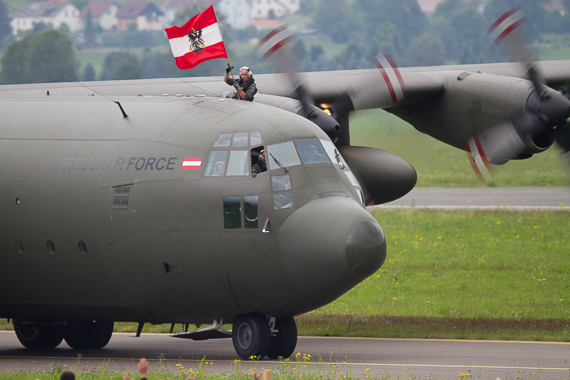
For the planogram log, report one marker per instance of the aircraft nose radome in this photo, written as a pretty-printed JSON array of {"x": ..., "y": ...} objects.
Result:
[
  {"x": 328, "y": 246},
  {"x": 366, "y": 248}
]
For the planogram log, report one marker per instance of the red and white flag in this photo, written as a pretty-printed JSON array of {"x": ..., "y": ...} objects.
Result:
[
  {"x": 505, "y": 24},
  {"x": 191, "y": 163},
  {"x": 197, "y": 41},
  {"x": 275, "y": 40},
  {"x": 391, "y": 76}
]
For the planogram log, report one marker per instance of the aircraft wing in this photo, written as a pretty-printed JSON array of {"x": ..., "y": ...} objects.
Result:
[{"x": 366, "y": 88}]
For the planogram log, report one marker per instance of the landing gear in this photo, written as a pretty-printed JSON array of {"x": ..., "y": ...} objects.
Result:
[
  {"x": 284, "y": 342},
  {"x": 38, "y": 334},
  {"x": 251, "y": 336},
  {"x": 85, "y": 335}
]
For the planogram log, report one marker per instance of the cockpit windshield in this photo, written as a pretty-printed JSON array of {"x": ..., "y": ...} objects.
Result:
[
  {"x": 282, "y": 154},
  {"x": 311, "y": 152}
]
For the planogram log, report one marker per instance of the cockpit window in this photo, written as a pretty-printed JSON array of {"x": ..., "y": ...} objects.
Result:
[
  {"x": 255, "y": 138},
  {"x": 333, "y": 153},
  {"x": 311, "y": 152},
  {"x": 238, "y": 163},
  {"x": 223, "y": 140},
  {"x": 283, "y": 154},
  {"x": 217, "y": 163},
  {"x": 240, "y": 139},
  {"x": 281, "y": 182}
]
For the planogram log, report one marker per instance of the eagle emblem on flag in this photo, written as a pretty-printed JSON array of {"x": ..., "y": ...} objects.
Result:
[{"x": 196, "y": 41}]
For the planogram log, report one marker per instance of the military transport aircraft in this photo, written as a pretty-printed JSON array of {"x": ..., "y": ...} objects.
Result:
[{"x": 135, "y": 200}]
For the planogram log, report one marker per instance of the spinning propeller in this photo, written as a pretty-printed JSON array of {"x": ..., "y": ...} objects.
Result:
[
  {"x": 546, "y": 115},
  {"x": 269, "y": 45}
]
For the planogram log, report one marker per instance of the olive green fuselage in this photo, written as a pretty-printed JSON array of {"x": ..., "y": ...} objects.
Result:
[{"x": 102, "y": 220}]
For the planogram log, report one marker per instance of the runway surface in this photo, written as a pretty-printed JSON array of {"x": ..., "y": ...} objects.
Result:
[
  {"x": 520, "y": 198},
  {"x": 442, "y": 359}
]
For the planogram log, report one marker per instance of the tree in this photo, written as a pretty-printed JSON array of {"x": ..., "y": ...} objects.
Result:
[
  {"x": 406, "y": 15},
  {"x": 14, "y": 63},
  {"x": 128, "y": 68},
  {"x": 389, "y": 39},
  {"x": 330, "y": 19},
  {"x": 89, "y": 73},
  {"x": 299, "y": 50},
  {"x": 47, "y": 56},
  {"x": 89, "y": 31},
  {"x": 426, "y": 50},
  {"x": 153, "y": 64},
  {"x": 5, "y": 27},
  {"x": 462, "y": 29}
]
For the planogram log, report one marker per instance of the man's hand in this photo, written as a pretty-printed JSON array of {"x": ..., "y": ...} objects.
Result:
[
  {"x": 143, "y": 367},
  {"x": 237, "y": 86},
  {"x": 229, "y": 68},
  {"x": 126, "y": 376}
]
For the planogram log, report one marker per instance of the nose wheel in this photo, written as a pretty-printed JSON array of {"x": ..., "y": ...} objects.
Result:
[{"x": 251, "y": 336}]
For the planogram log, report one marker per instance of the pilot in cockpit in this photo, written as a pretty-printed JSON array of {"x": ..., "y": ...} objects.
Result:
[{"x": 261, "y": 165}]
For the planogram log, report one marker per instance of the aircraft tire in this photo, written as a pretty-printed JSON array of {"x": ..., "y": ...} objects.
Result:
[
  {"x": 283, "y": 344},
  {"x": 87, "y": 335},
  {"x": 34, "y": 334},
  {"x": 251, "y": 336}
]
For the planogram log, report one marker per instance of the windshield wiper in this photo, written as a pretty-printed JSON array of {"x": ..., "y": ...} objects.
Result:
[{"x": 278, "y": 163}]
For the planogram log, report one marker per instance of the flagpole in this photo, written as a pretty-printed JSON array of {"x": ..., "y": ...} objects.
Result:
[{"x": 233, "y": 78}]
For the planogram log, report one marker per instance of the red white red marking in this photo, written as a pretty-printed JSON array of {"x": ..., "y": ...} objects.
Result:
[
  {"x": 478, "y": 159},
  {"x": 191, "y": 163},
  {"x": 391, "y": 76},
  {"x": 181, "y": 46},
  {"x": 274, "y": 41},
  {"x": 505, "y": 24}
]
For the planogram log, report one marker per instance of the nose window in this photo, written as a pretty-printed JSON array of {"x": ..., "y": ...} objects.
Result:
[
  {"x": 284, "y": 200},
  {"x": 281, "y": 182}
]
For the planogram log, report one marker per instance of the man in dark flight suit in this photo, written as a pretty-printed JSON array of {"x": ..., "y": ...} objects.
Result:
[{"x": 245, "y": 86}]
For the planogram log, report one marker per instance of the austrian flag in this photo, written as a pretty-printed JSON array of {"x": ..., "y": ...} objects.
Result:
[
  {"x": 197, "y": 41},
  {"x": 191, "y": 163}
]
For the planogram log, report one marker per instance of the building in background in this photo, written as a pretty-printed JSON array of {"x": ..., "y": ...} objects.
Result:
[
  {"x": 236, "y": 12},
  {"x": 280, "y": 8},
  {"x": 144, "y": 14},
  {"x": 54, "y": 13},
  {"x": 103, "y": 13}
]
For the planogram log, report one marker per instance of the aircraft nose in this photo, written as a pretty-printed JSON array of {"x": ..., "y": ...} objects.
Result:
[{"x": 330, "y": 245}]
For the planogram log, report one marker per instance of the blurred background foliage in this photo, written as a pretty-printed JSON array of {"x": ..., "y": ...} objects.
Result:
[{"x": 332, "y": 35}]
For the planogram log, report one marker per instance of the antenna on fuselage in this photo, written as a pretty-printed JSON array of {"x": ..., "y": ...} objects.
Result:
[{"x": 122, "y": 110}]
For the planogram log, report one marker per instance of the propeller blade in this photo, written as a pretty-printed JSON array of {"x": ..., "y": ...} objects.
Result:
[
  {"x": 392, "y": 76},
  {"x": 269, "y": 45},
  {"x": 536, "y": 129},
  {"x": 508, "y": 28}
]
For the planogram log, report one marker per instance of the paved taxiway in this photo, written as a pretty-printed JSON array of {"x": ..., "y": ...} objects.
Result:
[
  {"x": 519, "y": 198},
  {"x": 446, "y": 359}
]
